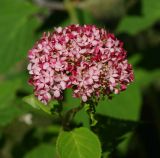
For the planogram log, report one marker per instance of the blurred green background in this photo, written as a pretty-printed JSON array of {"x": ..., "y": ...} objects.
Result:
[{"x": 130, "y": 123}]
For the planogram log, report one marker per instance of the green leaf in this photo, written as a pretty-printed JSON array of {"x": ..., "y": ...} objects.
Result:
[
  {"x": 135, "y": 24},
  {"x": 112, "y": 132},
  {"x": 79, "y": 143},
  {"x": 125, "y": 105},
  {"x": 144, "y": 77},
  {"x": 42, "y": 151},
  {"x": 34, "y": 102},
  {"x": 135, "y": 59},
  {"x": 7, "y": 92},
  {"x": 8, "y": 109},
  {"x": 17, "y": 25},
  {"x": 123, "y": 147},
  {"x": 7, "y": 115},
  {"x": 82, "y": 118},
  {"x": 151, "y": 8},
  {"x": 69, "y": 100}
]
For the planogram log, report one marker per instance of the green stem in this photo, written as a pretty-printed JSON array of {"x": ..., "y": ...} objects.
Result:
[
  {"x": 72, "y": 11},
  {"x": 90, "y": 109},
  {"x": 66, "y": 121}
]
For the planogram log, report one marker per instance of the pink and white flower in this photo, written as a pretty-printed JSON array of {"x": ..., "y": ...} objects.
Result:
[{"x": 87, "y": 59}]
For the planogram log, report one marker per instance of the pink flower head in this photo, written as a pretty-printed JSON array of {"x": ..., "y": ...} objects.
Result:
[{"x": 87, "y": 59}]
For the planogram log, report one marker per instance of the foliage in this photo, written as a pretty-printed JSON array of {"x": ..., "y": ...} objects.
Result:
[
  {"x": 43, "y": 151},
  {"x": 80, "y": 142},
  {"x": 17, "y": 31},
  {"x": 121, "y": 122},
  {"x": 122, "y": 106},
  {"x": 149, "y": 15}
]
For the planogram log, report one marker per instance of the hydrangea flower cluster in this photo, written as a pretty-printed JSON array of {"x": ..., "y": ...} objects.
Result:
[{"x": 86, "y": 59}]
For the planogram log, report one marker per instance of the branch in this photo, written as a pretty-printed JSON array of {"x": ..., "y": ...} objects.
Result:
[
  {"x": 53, "y": 5},
  {"x": 50, "y": 5}
]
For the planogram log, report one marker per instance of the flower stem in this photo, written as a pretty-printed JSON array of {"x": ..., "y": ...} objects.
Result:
[
  {"x": 66, "y": 121},
  {"x": 72, "y": 11}
]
